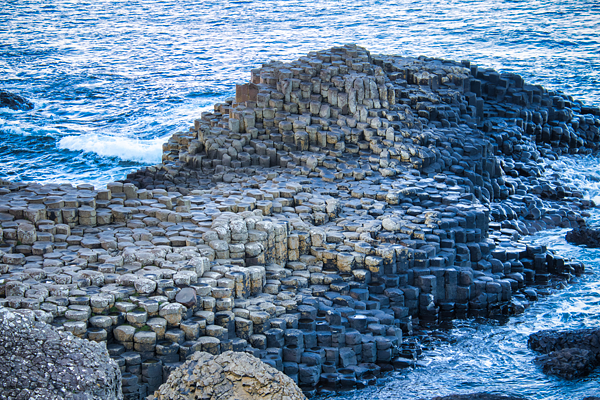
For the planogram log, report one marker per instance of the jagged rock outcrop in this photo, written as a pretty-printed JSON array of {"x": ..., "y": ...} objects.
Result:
[
  {"x": 567, "y": 354},
  {"x": 583, "y": 235},
  {"x": 39, "y": 362},
  {"x": 230, "y": 375},
  {"x": 567, "y": 363},
  {"x": 14, "y": 101}
]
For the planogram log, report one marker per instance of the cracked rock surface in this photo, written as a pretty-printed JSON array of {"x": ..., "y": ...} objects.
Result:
[
  {"x": 38, "y": 362},
  {"x": 230, "y": 375}
]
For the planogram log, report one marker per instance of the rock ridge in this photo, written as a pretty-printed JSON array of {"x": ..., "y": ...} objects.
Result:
[
  {"x": 336, "y": 204},
  {"x": 567, "y": 354}
]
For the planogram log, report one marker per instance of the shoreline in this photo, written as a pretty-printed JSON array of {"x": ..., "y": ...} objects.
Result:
[{"x": 311, "y": 221}]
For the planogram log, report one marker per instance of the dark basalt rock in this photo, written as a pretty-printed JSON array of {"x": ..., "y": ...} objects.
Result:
[
  {"x": 186, "y": 296},
  {"x": 552, "y": 340},
  {"x": 478, "y": 396},
  {"x": 568, "y": 354},
  {"x": 582, "y": 235},
  {"x": 14, "y": 101},
  {"x": 568, "y": 363}
]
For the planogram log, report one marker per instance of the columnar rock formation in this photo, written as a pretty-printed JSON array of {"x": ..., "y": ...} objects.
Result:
[{"x": 312, "y": 221}]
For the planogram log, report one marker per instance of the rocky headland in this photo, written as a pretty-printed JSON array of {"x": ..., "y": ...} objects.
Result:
[{"x": 313, "y": 221}]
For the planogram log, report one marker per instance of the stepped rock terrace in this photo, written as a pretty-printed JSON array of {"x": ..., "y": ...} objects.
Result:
[{"x": 314, "y": 220}]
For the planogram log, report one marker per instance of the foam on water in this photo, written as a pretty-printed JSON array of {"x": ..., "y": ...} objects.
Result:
[
  {"x": 11, "y": 127},
  {"x": 582, "y": 172},
  {"x": 126, "y": 148}
]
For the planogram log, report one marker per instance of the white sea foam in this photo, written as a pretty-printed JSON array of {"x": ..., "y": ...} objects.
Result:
[
  {"x": 12, "y": 127},
  {"x": 579, "y": 173},
  {"x": 126, "y": 148}
]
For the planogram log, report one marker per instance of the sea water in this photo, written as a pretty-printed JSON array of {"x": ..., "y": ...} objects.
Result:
[{"x": 112, "y": 80}]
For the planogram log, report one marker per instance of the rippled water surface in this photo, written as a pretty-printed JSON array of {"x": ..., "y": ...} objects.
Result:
[{"x": 111, "y": 80}]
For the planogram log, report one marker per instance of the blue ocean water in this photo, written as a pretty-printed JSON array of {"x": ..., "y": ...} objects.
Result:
[{"x": 112, "y": 80}]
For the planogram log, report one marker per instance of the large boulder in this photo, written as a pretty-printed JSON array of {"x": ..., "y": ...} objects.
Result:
[
  {"x": 14, "y": 101},
  {"x": 550, "y": 340},
  {"x": 567, "y": 354},
  {"x": 567, "y": 363},
  {"x": 39, "y": 362},
  {"x": 230, "y": 375},
  {"x": 583, "y": 235}
]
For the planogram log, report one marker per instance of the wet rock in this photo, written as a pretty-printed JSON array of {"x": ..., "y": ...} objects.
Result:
[
  {"x": 568, "y": 363},
  {"x": 552, "y": 340},
  {"x": 583, "y": 235},
  {"x": 14, "y": 101},
  {"x": 567, "y": 354},
  {"x": 229, "y": 375}
]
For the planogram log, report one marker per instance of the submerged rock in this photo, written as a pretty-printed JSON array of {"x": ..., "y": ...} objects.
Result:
[
  {"x": 38, "y": 362},
  {"x": 230, "y": 375},
  {"x": 582, "y": 235},
  {"x": 14, "y": 101}
]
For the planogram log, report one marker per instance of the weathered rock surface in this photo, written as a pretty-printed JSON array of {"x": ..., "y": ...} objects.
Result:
[
  {"x": 230, "y": 375},
  {"x": 567, "y": 363},
  {"x": 568, "y": 354},
  {"x": 14, "y": 101},
  {"x": 583, "y": 235},
  {"x": 547, "y": 341},
  {"x": 38, "y": 362}
]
